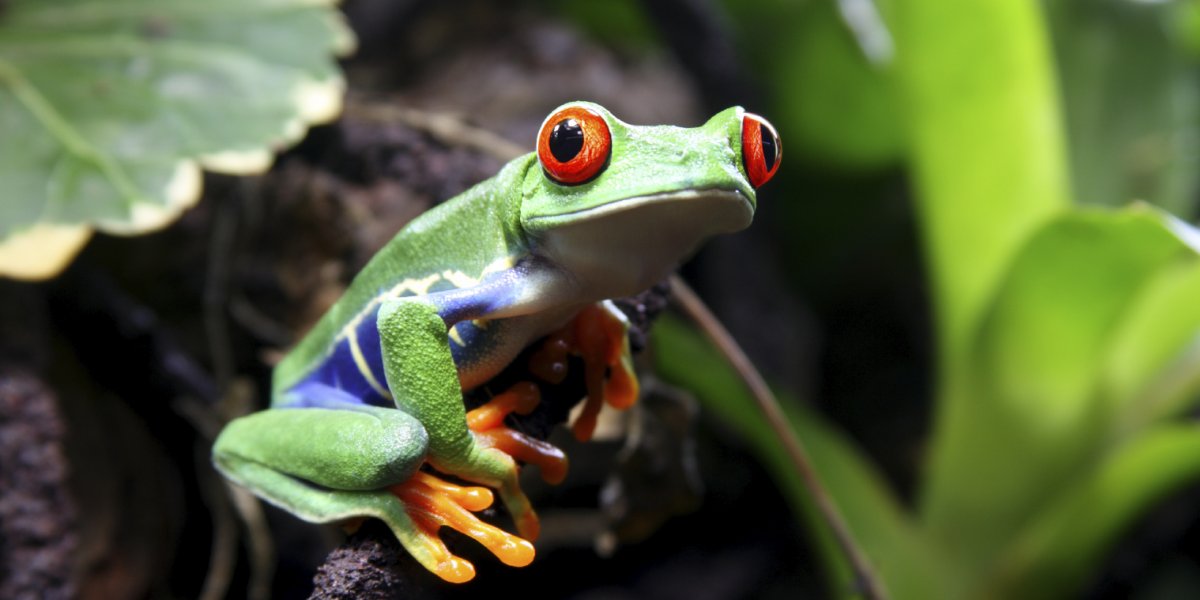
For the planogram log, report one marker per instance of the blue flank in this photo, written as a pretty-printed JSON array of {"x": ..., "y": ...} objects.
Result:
[
  {"x": 368, "y": 343},
  {"x": 338, "y": 379},
  {"x": 339, "y": 371}
]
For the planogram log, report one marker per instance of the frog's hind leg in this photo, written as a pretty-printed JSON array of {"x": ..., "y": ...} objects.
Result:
[
  {"x": 352, "y": 447},
  {"x": 349, "y": 460}
]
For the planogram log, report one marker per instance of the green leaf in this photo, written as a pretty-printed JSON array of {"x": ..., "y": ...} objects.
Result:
[
  {"x": 987, "y": 150},
  {"x": 908, "y": 564},
  {"x": 1037, "y": 414},
  {"x": 841, "y": 110},
  {"x": 832, "y": 105},
  {"x": 1057, "y": 551},
  {"x": 989, "y": 165},
  {"x": 117, "y": 103},
  {"x": 1183, "y": 24},
  {"x": 1152, "y": 368}
]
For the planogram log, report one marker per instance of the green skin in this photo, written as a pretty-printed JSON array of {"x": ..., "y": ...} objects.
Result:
[{"x": 507, "y": 262}]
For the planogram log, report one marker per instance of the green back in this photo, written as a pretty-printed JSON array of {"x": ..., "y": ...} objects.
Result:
[{"x": 465, "y": 234}]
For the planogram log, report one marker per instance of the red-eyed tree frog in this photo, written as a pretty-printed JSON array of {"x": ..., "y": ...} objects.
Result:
[{"x": 373, "y": 393}]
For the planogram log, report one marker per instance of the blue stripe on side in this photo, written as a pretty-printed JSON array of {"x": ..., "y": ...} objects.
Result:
[
  {"x": 479, "y": 344},
  {"x": 496, "y": 292},
  {"x": 469, "y": 334},
  {"x": 341, "y": 372},
  {"x": 314, "y": 394},
  {"x": 372, "y": 352}
]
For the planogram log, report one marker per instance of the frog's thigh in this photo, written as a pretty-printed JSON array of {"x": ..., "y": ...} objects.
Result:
[{"x": 359, "y": 448}]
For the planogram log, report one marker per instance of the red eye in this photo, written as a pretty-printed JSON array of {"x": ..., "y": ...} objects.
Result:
[
  {"x": 574, "y": 145},
  {"x": 761, "y": 149}
]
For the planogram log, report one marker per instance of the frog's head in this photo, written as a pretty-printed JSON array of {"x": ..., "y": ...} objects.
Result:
[{"x": 622, "y": 205}]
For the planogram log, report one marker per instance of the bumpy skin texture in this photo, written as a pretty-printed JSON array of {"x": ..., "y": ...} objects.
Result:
[{"x": 374, "y": 392}]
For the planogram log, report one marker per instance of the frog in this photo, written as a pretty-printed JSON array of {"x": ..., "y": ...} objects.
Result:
[{"x": 367, "y": 418}]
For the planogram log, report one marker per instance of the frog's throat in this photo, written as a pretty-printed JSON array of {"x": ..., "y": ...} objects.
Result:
[{"x": 624, "y": 247}]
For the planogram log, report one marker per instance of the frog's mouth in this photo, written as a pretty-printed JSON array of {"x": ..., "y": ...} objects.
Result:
[
  {"x": 725, "y": 210},
  {"x": 633, "y": 243}
]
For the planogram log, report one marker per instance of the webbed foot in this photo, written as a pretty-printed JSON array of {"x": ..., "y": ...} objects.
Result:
[
  {"x": 432, "y": 503},
  {"x": 487, "y": 422},
  {"x": 498, "y": 447}
]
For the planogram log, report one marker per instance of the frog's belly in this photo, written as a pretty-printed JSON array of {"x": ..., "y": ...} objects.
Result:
[{"x": 480, "y": 350}]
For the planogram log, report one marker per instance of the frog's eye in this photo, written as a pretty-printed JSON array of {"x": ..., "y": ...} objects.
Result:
[
  {"x": 574, "y": 145},
  {"x": 761, "y": 149}
]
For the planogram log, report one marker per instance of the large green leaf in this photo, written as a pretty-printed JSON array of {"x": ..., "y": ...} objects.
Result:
[
  {"x": 1152, "y": 366},
  {"x": 989, "y": 167},
  {"x": 1037, "y": 415},
  {"x": 987, "y": 150},
  {"x": 109, "y": 108},
  {"x": 1088, "y": 346}
]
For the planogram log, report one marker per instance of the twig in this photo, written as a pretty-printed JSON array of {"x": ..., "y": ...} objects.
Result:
[
  {"x": 258, "y": 537},
  {"x": 222, "y": 556},
  {"x": 695, "y": 308},
  {"x": 224, "y": 500},
  {"x": 216, "y": 289}
]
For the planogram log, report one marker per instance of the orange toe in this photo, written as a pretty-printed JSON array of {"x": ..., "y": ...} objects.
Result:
[
  {"x": 487, "y": 422},
  {"x": 551, "y": 460},
  {"x": 600, "y": 338},
  {"x": 433, "y": 503},
  {"x": 521, "y": 398}
]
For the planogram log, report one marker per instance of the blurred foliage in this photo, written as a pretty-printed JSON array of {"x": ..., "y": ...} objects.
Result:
[
  {"x": 1066, "y": 333},
  {"x": 1131, "y": 101},
  {"x": 620, "y": 23},
  {"x": 109, "y": 108},
  {"x": 836, "y": 107}
]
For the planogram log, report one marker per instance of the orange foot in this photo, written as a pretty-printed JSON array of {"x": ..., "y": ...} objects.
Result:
[
  {"x": 487, "y": 422},
  {"x": 432, "y": 503},
  {"x": 598, "y": 335}
]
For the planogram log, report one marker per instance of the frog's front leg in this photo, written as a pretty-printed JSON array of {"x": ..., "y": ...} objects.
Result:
[
  {"x": 342, "y": 459},
  {"x": 599, "y": 334},
  {"x": 423, "y": 378}
]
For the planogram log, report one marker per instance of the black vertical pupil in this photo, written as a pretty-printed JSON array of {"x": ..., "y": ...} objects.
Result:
[
  {"x": 768, "y": 146},
  {"x": 566, "y": 140}
]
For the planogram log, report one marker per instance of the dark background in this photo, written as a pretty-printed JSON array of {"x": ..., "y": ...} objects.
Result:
[{"x": 127, "y": 364}]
